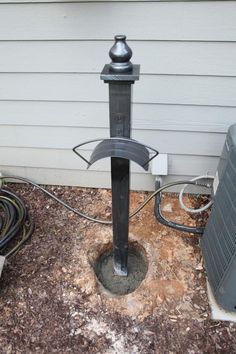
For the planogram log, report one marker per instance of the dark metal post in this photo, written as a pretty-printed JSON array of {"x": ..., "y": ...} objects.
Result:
[{"x": 120, "y": 74}]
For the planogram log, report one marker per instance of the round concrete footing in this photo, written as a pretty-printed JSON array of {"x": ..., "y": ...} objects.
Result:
[
  {"x": 154, "y": 289},
  {"x": 121, "y": 285}
]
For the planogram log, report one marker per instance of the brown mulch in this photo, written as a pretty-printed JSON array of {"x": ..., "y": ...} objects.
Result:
[{"x": 42, "y": 310}]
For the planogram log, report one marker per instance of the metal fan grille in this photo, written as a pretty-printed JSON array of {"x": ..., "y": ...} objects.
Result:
[{"x": 219, "y": 240}]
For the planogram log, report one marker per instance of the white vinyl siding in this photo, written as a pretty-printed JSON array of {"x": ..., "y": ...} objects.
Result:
[{"x": 52, "y": 98}]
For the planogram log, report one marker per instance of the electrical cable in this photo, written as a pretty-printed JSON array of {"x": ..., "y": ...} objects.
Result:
[
  {"x": 190, "y": 210},
  {"x": 170, "y": 223},
  {"x": 79, "y": 213},
  {"x": 106, "y": 222},
  {"x": 15, "y": 222}
]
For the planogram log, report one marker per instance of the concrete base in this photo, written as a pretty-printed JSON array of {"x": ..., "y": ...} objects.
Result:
[{"x": 217, "y": 312}]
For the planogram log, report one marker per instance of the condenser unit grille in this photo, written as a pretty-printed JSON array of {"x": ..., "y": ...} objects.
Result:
[
  {"x": 220, "y": 235},
  {"x": 219, "y": 240}
]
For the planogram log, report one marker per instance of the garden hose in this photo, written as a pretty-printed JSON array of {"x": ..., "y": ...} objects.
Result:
[
  {"x": 16, "y": 224},
  {"x": 170, "y": 223},
  {"x": 199, "y": 210},
  {"x": 100, "y": 221}
]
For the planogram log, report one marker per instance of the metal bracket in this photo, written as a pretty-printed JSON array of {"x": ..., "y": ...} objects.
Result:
[{"x": 125, "y": 148}]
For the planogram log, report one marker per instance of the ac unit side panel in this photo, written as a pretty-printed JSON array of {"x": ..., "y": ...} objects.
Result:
[
  {"x": 219, "y": 240},
  {"x": 230, "y": 143},
  {"x": 226, "y": 294}
]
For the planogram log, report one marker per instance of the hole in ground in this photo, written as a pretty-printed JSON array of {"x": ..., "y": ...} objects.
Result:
[{"x": 137, "y": 269}]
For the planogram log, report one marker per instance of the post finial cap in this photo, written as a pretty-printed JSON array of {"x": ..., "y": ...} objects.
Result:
[{"x": 120, "y": 55}]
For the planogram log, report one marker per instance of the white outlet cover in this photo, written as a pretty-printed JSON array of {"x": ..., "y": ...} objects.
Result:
[{"x": 159, "y": 165}]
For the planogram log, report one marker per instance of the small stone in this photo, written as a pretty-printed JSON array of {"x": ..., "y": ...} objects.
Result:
[
  {"x": 200, "y": 319},
  {"x": 77, "y": 331},
  {"x": 199, "y": 267},
  {"x": 135, "y": 330},
  {"x": 167, "y": 207},
  {"x": 196, "y": 306},
  {"x": 74, "y": 314}
]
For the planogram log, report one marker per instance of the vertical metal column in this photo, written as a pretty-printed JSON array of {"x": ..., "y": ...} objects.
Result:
[{"x": 120, "y": 74}]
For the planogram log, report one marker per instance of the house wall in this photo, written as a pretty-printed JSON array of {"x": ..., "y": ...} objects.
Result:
[{"x": 52, "y": 98}]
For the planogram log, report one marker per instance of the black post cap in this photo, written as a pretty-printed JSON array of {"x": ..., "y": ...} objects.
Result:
[{"x": 120, "y": 55}]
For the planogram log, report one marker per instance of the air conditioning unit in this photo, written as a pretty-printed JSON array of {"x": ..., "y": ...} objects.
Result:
[{"x": 218, "y": 243}]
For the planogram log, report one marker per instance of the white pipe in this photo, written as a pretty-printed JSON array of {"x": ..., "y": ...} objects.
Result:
[{"x": 190, "y": 210}]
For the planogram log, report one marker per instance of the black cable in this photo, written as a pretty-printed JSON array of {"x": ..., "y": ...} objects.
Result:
[
  {"x": 105, "y": 222},
  {"x": 16, "y": 226},
  {"x": 169, "y": 223}
]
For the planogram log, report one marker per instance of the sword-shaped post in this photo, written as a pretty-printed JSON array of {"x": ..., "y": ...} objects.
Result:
[{"x": 120, "y": 74}]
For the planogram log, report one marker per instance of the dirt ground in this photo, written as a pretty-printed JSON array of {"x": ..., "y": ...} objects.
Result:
[{"x": 51, "y": 302}]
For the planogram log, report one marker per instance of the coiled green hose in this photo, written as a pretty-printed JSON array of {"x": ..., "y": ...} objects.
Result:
[{"x": 16, "y": 226}]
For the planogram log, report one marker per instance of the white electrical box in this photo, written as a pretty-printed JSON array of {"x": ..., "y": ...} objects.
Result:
[{"x": 159, "y": 165}]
